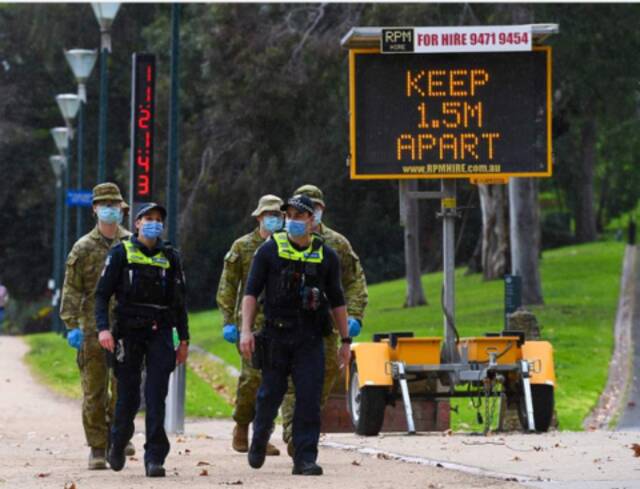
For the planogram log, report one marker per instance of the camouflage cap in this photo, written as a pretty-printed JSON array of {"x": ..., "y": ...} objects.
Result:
[
  {"x": 313, "y": 192},
  {"x": 106, "y": 191},
  {"x": 267, "y": 203}
]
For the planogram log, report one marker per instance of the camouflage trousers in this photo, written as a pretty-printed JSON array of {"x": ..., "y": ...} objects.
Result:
[
  {"x": 331, "y": 369},
  {"x": 98, "y": 391},
  {"x": 248, "y": 385}
]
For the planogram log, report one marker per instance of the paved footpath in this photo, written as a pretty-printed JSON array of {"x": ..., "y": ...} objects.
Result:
[{"x": 42, "y": 446}]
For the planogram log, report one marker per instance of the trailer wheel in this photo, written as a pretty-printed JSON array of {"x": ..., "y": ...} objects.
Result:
[
  {"x": 543, "y": 404},
  {"x": 366, "y": 405}
]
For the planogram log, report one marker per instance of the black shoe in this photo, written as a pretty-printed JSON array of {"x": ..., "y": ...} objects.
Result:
[
  {"x": 307, "y": 468},
  {"x": 116, "y": 459},
  {"x": 257, "y": 455},
  {"x": 152, "y": 469}
]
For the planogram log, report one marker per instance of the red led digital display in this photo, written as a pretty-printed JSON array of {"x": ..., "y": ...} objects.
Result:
[{"x": 142, "y": 122}]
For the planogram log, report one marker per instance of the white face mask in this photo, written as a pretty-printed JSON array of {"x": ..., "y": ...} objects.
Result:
[{"x": 317, "y": 216}]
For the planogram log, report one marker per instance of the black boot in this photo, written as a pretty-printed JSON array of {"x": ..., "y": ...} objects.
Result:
[
  {"x": 307, "y": 468},
  {"x": 116, "y": 459},
  {"x": 257, "y": 454},
  {"x": 153, "y": 469}
]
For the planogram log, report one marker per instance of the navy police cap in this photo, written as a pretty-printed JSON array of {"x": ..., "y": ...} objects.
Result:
[
  {"x": 299, "y": 202},
  {"x": 151, "y": 206}
]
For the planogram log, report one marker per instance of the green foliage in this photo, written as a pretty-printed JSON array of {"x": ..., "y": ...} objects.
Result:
[{"x": 264, "y": 108}]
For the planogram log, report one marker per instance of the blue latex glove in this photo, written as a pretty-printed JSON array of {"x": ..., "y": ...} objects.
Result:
[
  {"x": 354, "y": 327},
  {"x": 230, "y": 333},
  {"x": 75, "y": 338}
]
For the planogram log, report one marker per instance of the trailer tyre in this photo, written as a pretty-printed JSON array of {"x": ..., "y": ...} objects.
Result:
[
  {"x": 542, "y": 396},
  {"x": 366, "y": 405}
]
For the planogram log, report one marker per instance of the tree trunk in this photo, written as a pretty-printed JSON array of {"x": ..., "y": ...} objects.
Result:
[
  {"x": 475, "y": 262},
  {"x": 409, "y": 218},
  {"x": 495, "y": 230},
  {"x": 524, "y": 218},
  {"x": 584, "y": 213}
]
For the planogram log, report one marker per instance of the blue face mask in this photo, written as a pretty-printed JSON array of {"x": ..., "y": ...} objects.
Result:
[
  {"x": 151, "y": 229},
  {"x": 296, "y": 228},
  {"x": 109, "y": 215},
  {"x": 272, "y": 224}
]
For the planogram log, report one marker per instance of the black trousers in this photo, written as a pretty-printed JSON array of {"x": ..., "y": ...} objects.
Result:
[
  {"x": 154, "y": 347},
  {"x": 303, "y": 360}
]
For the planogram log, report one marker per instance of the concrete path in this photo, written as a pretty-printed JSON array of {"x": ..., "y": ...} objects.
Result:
[
  {"x": 563, "y": 460},
  {"x": 630, "y": 418},
  {"x": 42, "y": 446}
]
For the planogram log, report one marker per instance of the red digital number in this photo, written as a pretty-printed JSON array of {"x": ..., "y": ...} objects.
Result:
[
  {"x": 143, "y": 118},
  {"x": 143, "y": 185},
  {"x": 144, "y": 162}
]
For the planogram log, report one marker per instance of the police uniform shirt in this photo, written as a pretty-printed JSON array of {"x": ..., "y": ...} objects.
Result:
[
  {"x": 266, "y": 268},
  {"x": 111, "y": 282}
]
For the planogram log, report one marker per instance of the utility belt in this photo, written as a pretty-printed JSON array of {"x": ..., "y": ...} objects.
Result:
[
  {"x": 136, "y": 317},
  {"x": 315, "y": 322}
]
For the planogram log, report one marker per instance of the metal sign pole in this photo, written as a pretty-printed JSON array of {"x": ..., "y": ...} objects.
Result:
[
  {"x": 449, "y": 211},
  {"x": 174, "y": 419}
]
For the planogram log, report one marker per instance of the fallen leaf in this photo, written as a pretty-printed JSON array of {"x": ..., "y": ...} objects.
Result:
[
  {"x": 383, "y": 456},
  {"x": 202, "y": 436},
  {"x": 187, "y": 451},
  {"x": 356, "y": 463},
  {"x": 202, "y": 463},
  {"x": 234, "y": 483},
  {"x": 636, "y": 449},
  {"x": 70, "y": 485},
  {"x": 516, "y": 459},
  {"x": 537, "y": 449},
  {"x": 42, "y": 475},
  {"x": 180, "y": 440},
  {"x": 439, "y": 465},
  {"x": 204, "y": 472},
  {"x": 597, "y": 460},
  {"x": 133, "y": 459}
]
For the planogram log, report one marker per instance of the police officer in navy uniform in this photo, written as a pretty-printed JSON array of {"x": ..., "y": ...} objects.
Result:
[
  {"x": 300, "y": 277},
  {"x": 146, "y": 276}
]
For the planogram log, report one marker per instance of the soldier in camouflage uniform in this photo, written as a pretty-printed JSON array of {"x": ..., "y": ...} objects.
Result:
[
  {"x": 356, "y": 296},
  {"x": 84, "y": 265},
  {"x": 237, "y": 263}
]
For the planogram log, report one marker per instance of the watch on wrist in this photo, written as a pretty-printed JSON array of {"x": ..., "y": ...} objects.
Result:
[{"x": 347, "y": 340}]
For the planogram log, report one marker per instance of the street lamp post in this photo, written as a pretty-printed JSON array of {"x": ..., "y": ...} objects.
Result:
[
  {"x": 81, "y": 62},
  {"x": 69, "y": 103},
  {"x": 61, "y": 136},
  {"x": 58, "y": 164},
  {"x": 105, "y": 14}
]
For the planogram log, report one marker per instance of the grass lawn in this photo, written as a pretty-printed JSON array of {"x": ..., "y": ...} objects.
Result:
[
  {"x": 53, "y": 362},
  {"x": 580, "y": 286}
]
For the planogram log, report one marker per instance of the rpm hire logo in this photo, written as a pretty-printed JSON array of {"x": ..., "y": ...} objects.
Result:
[{"x": 397, "y": 40}]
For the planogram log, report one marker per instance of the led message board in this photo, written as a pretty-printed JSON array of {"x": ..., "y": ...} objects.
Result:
[
  {"x": 480, "y": 116},
  {"x": 143, "y": 85}
]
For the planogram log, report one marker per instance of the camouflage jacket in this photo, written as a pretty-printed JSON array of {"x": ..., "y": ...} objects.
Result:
[
  {"x": 354, "y": 282},
  {"x": 237, "y": 263},
  {"x": 84, "y": 265}
]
